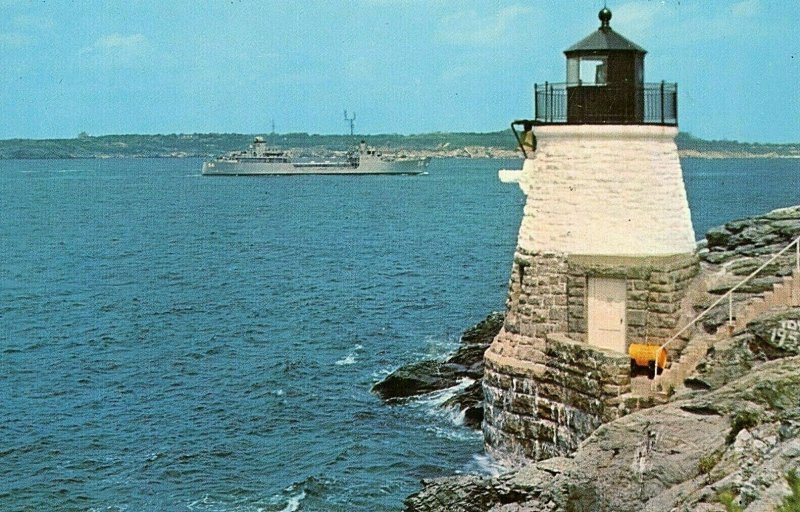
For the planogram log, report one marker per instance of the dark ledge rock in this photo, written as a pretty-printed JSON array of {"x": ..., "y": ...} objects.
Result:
[{"x": 431, "y": 375}]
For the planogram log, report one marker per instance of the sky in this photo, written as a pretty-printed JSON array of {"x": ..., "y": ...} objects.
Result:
[{"x": 402, "y": 66}]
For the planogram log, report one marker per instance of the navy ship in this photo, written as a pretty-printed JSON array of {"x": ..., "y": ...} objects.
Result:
[{"x": 259, "y": 159}]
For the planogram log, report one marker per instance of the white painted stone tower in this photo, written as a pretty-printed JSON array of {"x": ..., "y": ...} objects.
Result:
[{"x": 604, "y": 254}]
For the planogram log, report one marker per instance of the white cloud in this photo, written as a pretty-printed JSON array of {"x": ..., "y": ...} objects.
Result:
[
  {"x": 23, "y": 31},
  {"x": 470, "y": 28},
  {"x": 746, "y": 8},
  {"x": 14, "y": 40},
  {"x": 637, "y": 18},
  {"x": 33, "y": 23},
  {"x": 117, "y": 50},
  {"x": 119, "y": 42},
  {"x": 682, "y": 23}
]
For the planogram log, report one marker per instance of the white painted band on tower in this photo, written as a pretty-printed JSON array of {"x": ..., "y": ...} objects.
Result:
[{"x": 612, "y": 190}]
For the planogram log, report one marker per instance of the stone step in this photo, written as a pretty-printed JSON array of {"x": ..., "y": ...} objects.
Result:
[
  {"x": 785, "y": 293},
  {"x": 780, "y": 293},
  {"x": 793, "y": 283},
  {"x": 642, "y": 386},
  {"x": 688, "y": 361}
]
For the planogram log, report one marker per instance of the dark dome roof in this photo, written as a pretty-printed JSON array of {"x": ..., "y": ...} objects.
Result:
[{"x": 604, "y": 39}]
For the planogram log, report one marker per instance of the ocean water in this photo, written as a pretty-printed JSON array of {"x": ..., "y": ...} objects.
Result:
[{"x": 173, "y": 342}]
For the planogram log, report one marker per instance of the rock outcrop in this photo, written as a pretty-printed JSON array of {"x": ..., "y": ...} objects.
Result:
[
  {"x": 432, "y": 375},
  {"x": 752, "y": 237},
  {"x": 740, "y": 436},
  {"x": 731, "y": 434}
]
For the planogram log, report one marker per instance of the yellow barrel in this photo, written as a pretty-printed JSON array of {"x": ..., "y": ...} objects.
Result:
[{"x": 643, "y": 355}]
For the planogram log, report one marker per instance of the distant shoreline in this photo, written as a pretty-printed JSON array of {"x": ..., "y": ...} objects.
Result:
[
  {"x": 470, "y": 153},
  {"x": 499, "y": 144},
  {"x": 490, "y": 153},
  {"x": 720, "y": 155}
]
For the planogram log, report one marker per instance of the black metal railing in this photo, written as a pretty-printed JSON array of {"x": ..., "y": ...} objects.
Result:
[{"x": 653, "y": 103}]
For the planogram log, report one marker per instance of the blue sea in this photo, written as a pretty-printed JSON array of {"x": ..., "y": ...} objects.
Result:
[{"x": 173, "y": 342}]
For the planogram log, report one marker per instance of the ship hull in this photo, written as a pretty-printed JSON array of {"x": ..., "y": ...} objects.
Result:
[{"x": 366, "y": 166}]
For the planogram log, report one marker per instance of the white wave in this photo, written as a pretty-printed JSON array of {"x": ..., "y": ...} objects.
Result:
[
  {"x": 382, "y": 373},
  {"x": 435, "y": 400},
  {"x": 438, "y": 347},
  {"x": 448, "y": 421},
  {"x": 485, "y": 464},
  {"x": 293, "y": 503},
  {"x": 198, "y": 503},
  {"x": 454, "y": 434},
  {"x": 350, "y": 359}
]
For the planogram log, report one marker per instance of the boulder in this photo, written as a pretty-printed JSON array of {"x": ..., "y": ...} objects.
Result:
[
  {"x": 432, "y": 375},
  {"x": 418, "y": 378}
]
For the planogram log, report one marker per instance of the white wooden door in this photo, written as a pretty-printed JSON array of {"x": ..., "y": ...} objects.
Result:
[{"x": 606, "y": 304}]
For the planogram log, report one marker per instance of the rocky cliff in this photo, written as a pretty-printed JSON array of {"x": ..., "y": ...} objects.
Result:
[{"x": 731, "y": 436}]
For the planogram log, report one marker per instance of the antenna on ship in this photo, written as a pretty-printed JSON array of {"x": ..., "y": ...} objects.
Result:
[
  {"x": 350, "y": 120},
  {"x": 273, "y": 127}
]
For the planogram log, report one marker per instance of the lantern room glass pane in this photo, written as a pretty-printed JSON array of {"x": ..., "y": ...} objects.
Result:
[
  {"x": 592, "y": 70},
  {"x": 573, "y": 70}
]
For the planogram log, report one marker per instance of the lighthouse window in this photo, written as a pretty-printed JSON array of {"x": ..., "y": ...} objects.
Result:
[
  {"x": 593, "y": 71},
  {"x": 587, "y": 71}
]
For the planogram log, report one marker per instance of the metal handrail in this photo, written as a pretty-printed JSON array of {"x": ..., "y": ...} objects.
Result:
[
  {"x": 654, "y": 103},
  {"x": 729, "y": 295}
]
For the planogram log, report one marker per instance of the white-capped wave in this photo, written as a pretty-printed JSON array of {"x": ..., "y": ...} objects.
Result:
[
  {"x": 382, "y": 373},
  {"x": 448, "y": 420},
  {"x": 454, "y": 434},
  {"x": 350, "y": 359},
  {"x": 293, "y": 502},
  {"x": 484, "y": 464},
  {"x": 434, "y": 401},
  {"x": 438, "y": 347}
]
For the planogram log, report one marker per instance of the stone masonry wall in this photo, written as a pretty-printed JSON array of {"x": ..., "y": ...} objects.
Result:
[
  {"x": 656, "y": 287},
  {"x": 546, "y": 405},
  {"x": 537, "y": 294},
  {"x": 545, "y": 388}
]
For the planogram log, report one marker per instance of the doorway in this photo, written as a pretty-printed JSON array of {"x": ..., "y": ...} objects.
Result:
[{"x": 606, "y": 305}]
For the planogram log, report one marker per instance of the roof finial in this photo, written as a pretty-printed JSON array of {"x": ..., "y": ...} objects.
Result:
[{"x": 605, "y": 17}]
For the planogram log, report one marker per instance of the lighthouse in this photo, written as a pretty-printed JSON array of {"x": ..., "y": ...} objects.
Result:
[{"x": 604, "y": 255}]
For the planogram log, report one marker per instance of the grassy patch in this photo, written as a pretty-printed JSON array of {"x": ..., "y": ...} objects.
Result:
[
  {"x": 791, "y": 503},
  {"x": 742, "y": 420},
  {"x": 709, "y": 461},
  {"x": 728, "y": 499}
]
